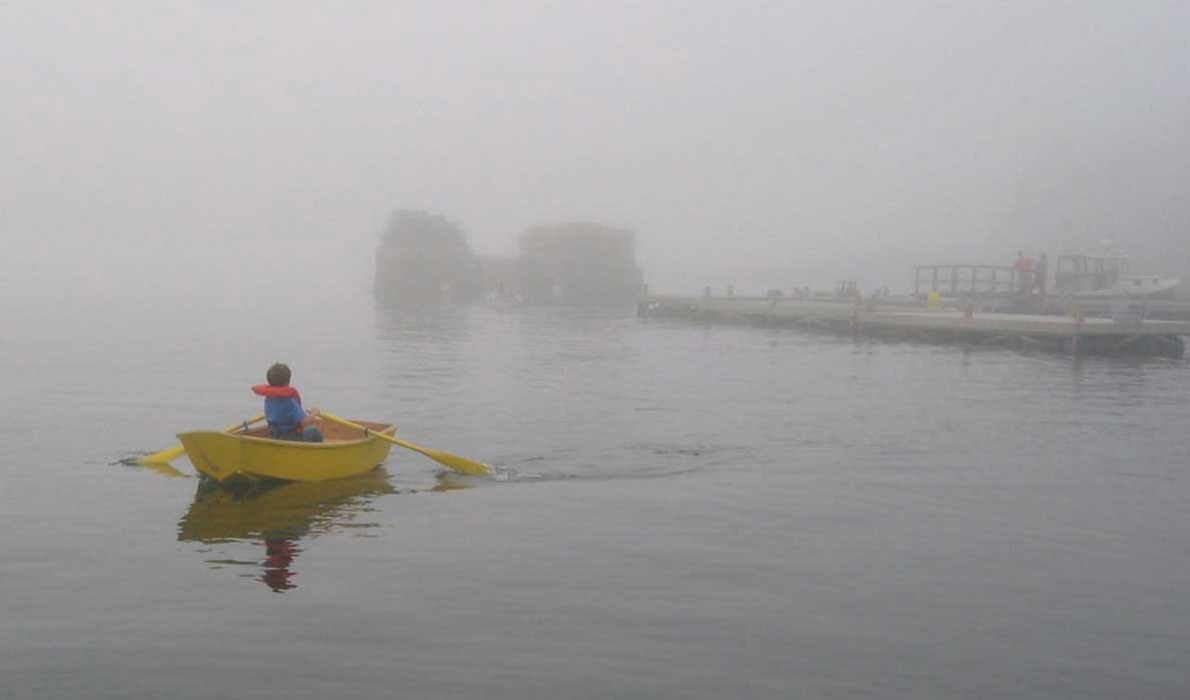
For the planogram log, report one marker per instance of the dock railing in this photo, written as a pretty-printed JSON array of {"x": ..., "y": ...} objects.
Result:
[{"x": 976, "y": 281}]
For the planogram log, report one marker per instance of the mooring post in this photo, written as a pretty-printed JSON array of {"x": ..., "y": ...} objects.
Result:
[
  {"x": 1080, "y": 315},
  {"x": 856, "y": 324}
]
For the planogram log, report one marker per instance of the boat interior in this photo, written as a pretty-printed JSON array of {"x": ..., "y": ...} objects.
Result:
[{"x": 331, "y": 432}]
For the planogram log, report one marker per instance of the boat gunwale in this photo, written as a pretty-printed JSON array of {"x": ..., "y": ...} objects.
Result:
[{"x": 389, "y": 430}]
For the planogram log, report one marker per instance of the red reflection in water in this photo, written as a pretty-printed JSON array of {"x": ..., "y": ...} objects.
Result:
[{"x": 280, "y": 553}]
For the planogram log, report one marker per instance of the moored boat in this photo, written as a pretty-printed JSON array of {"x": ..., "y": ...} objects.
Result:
[
  {"x": 254, "y": 455},
  {"x": 1107, "y": 276}
]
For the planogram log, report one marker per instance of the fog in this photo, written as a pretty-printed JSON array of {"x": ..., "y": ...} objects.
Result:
[{"x": 216, "y": 148}]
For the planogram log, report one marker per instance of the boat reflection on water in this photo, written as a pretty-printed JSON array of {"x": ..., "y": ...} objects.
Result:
[{"x": 279, "y": 514}]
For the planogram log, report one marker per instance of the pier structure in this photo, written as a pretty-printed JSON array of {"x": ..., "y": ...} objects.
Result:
[
  {"x": 1074, "y": 334},
  {"x": 1152, "y": 309},
  {"x": 1097, "y": 287}
]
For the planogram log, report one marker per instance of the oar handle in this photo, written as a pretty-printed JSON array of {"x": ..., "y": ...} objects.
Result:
[
  {"x": 343, "y": 422},
  {"x": 245, "y": 424}
]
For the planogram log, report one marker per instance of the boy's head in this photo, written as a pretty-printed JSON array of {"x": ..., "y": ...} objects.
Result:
[{"x": 279, "y": 374}]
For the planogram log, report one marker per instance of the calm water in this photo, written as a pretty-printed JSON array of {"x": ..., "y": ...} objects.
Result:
[{"x": 680, "y": 512}]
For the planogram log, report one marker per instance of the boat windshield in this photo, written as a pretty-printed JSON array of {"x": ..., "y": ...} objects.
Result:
[{"x": 1083, "y": 273}]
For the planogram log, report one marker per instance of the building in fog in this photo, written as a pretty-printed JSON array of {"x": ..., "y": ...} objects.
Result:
[
  {"x": 580, "y": 263},
  {"x": 424, "y": 258}
]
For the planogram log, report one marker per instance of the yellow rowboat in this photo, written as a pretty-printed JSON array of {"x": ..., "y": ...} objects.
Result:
[{"x": 254, "y": 455}]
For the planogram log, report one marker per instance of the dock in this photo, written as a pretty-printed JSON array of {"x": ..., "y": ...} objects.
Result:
[{"x": 1069, "y": 334}]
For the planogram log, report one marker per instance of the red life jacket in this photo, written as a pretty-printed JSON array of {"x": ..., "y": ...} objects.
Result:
[{"x": 276, "y": 392}]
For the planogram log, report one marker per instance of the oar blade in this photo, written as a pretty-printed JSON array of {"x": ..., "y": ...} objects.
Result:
[
  {"x": 457, "y": 463},
  {"x": 162, "y": 457}
]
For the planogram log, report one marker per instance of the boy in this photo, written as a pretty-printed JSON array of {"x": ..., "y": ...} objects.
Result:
[{"x": 283, "y": 408}]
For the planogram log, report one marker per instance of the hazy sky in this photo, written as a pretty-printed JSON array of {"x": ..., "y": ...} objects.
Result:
[{"x": 766, "y": 143}]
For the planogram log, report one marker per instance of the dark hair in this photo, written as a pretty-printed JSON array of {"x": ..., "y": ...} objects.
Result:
[{"x": 279, "y": 374}]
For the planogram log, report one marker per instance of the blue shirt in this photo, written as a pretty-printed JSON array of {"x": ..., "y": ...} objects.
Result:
[{"x": 284, "y": 415}]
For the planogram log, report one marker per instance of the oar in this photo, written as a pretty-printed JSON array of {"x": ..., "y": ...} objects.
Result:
[
  {"x": 446, "y": 459},
  {"x": 166, "y": 456}
]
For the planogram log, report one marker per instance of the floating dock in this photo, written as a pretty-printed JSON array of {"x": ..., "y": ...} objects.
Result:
[{"x": 1069, "y": 334}]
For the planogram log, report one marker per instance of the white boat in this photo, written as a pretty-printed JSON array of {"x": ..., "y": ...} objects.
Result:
[{"x": 1107, "y": 276}]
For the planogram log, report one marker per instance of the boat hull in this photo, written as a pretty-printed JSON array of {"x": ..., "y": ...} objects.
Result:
[
  {"x": 223, "y": 456},
  {"x": 1163, "y": 292}
]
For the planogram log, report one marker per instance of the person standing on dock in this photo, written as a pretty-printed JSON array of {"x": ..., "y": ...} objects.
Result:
[
  {"x": 1024, "y": 267},
  {"x": 1040, "y": 275}
]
